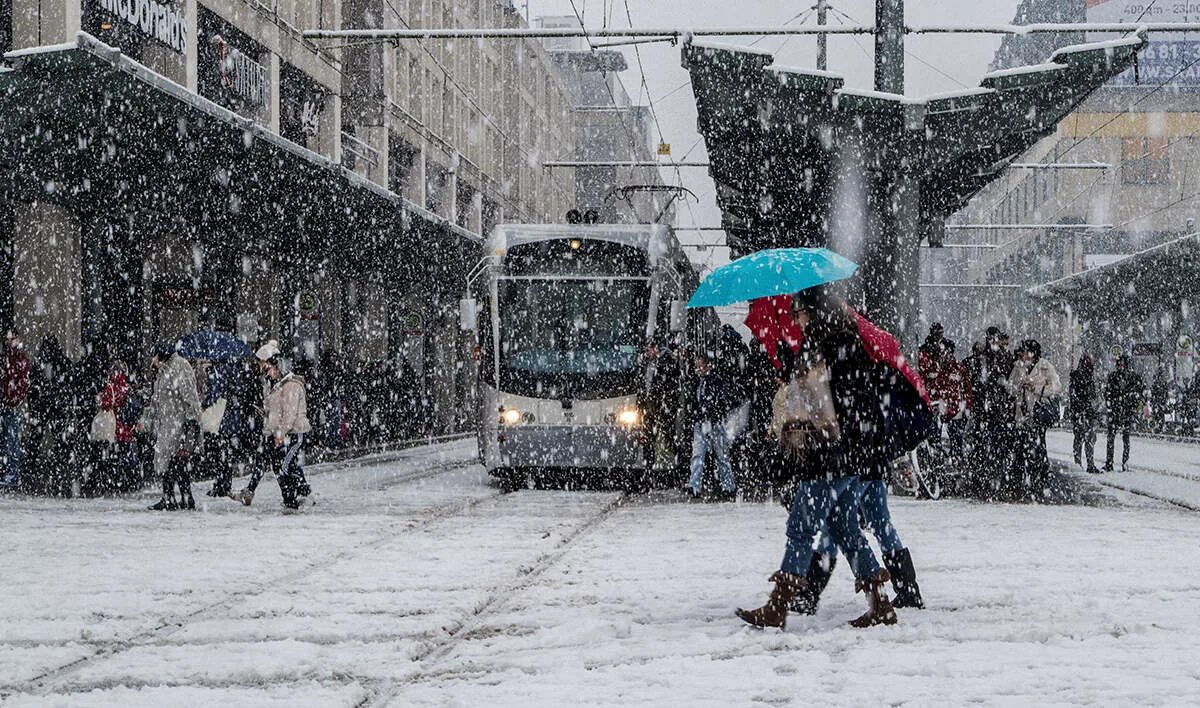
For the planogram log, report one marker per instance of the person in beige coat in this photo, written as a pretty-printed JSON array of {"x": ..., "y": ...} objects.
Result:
[
  {"x": 285, "y": 423},
  {"x": 173, "y": 417},
  {"x": 1037, "y": 387}
]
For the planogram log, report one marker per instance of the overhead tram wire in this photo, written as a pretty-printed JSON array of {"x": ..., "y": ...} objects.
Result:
[
  {"x": 465, "y": 94},
  {"x": 907, "y": 51},
  {"x": 654, "y": 111}
]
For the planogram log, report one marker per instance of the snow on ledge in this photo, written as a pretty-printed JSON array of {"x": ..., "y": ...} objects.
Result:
[
  {"x": 882, "y": 96},
  {"x": 959, "y": 93},
  {"x": 731, "y": 48},
  {"x": 35, "y": 51},
  {"x": 1022, "y": 70},
  {"x": 1130, "y": 41},
  {"x": 806, "y": 72}
]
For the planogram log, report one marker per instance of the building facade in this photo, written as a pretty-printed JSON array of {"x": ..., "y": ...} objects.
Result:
[
  {"x": 221, "y": 169},
  {"x": 1117, "y": 179}
]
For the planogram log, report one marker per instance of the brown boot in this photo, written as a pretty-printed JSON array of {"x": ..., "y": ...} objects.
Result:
[
  {"x": 774, "y": 613},
  {"x": 879, "y": 608}
]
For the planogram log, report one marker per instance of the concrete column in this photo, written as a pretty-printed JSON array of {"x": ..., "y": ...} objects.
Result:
[
  {"x": 46, "y": 273},
  {"x": 192, "y": 57},
  {"x": 273, "y": 80},
  {"x": 452, "y": 189}
]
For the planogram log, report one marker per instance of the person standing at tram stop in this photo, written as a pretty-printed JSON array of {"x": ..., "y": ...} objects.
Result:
[
  {"x": 285, "y": 423},
  {"x": 838, "y": 430},
  {"x": 1037, "y": 387},
  {"x": 1123, "y": 393},
  {"x": 1084, "y": 412},
  {"x": 15, "y": 371},
  {"x": 713, "y": 400}
]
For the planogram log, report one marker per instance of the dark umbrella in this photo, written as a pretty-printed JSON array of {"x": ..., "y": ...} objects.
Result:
[{"x": 213, "y": 346}]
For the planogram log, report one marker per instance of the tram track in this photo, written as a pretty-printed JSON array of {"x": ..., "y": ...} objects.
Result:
[
  {"x": 1149, "y": 495},
  {"x": 48, "y": 682},
  {"x": 496, "y": 600}
]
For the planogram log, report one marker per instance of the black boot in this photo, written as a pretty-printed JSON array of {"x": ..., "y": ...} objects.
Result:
[
  {"x": 904, "y": 579},
  {"x": 807, "y": 598},
  {"x": 166, "y": 503}
]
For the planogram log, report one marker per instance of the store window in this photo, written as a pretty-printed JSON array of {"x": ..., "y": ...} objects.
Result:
[
  {"x": 230, "y": 68},
  {"x": 1145, "y": 161},
  {"x": 301, "y": 106}
]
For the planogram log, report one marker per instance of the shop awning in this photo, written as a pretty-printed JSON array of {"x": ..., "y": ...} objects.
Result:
[
  {"x": 87, "y": 127},
  {"x": 1140, "y": 285},
  {"x": 777, "y": 137}
]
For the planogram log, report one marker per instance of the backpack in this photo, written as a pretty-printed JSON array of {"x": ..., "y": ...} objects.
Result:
[{"x": 131, "y": 410}]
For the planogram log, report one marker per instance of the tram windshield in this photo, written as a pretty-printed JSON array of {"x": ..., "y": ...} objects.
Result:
[{"x": 572, "y": 337}]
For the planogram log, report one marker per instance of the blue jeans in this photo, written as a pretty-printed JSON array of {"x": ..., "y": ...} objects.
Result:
[
  {"x": 830, "y": 505},
  {"x": 11, "y": 421},
  {"x": 873, "y": 505},
  {"x": 704, "y": 435}
]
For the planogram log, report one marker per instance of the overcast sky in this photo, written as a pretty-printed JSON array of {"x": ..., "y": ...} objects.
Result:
[{"x": 935, "y": 63}]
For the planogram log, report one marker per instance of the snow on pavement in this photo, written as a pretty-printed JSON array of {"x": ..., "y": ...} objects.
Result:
[
  {"x": 405, "y": 588},
  {"x": 1162, "y": 469}
]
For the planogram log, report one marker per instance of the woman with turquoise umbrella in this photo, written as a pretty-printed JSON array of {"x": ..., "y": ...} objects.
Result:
[{"x": 851, "y": 404}]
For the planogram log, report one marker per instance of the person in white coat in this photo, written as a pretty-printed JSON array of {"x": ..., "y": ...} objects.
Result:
[
  {"x": 285, "y": 423},
  {"x": 1037, "y": 388},
  {"x": 173, "y": 417}
]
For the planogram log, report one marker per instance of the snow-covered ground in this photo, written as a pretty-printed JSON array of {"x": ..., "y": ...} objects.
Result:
[
  {"x": 1161, "y": 469},
  {"x": 414, "y": 582}
]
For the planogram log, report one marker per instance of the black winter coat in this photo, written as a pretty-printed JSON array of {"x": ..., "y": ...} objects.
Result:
[
  {"x": 1123, "y": 396},
  {"x": 1082, "y": 396}
]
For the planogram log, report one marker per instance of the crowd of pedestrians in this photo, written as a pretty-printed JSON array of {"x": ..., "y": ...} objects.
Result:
[{"x": 106, "y": 424}]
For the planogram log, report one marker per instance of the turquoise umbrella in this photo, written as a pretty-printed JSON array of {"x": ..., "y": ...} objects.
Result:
[{"x": 775, "y": 271}]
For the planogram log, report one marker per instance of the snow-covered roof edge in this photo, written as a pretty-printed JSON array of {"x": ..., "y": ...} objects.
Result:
[{"x": 721, "y": 46}]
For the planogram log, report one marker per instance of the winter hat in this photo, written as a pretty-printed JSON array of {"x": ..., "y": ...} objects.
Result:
[
  {"x": 268, "y": 351},
  {"x": 164, "y": 350}
]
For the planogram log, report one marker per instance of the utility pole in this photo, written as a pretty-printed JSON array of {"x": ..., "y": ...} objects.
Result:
[
  {"x": 891, "y": 268},
  {"x": 889, "y": 46},
  {"x": 822, "y": 39}
]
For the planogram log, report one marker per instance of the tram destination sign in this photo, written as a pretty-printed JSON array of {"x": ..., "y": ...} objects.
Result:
[{"x": 147, "y": 19}]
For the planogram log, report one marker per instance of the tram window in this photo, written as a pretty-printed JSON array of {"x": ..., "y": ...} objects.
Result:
[{"x": 576, "y": 257}]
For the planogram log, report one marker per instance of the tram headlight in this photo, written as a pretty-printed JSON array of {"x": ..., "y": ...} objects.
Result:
[
  {"x": 630, "y": 418},
  {"x": 510, "y": 416}
]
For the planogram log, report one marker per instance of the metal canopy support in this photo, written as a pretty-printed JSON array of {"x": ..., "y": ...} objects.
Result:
[
  {"x": 789, "y": 147},
  {"x": 668, "y": 34}
]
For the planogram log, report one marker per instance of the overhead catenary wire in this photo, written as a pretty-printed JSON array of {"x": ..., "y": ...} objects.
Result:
[{"x": 446, "y": 74}]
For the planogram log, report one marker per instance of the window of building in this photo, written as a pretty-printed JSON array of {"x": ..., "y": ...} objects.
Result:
[
  {"x": 6, "y": 16},
  {"x": 301, "y": 105},
  {"x": 1145, "y": 161},
  {"x": 402, "y": 157},
  {"x": 229, "y": 70}
]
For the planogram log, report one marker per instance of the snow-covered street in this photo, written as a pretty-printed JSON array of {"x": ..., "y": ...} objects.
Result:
[{"x": 415, "y": 582}]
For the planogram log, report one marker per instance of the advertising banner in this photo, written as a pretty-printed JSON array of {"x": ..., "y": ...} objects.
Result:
[{"x": 1169, "y": 53}]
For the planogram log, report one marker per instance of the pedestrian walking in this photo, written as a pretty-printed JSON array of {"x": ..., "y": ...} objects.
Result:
[
  {"x": 1083, "y": 400},
  {"x": 660, "y": 404},
  {"x": 713, "y": 399},
  {"x": 1037, "y": 387},
  {"x": 1123, "y": 394},
  {"x": 50, "y": 436},
  {"x": 173, "y": 415},
  {"x": 842, "y": 412},
  {"x": 995, "y": 430},
  {"x": 14, "y": 407},
  {"x": 285, "y": 423},
  {"x": 220, "y": 424},
  {"x": 951, "y": 394},
  {"x": 118, "y": 468},
  {"x": 931, "y": 355}
]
